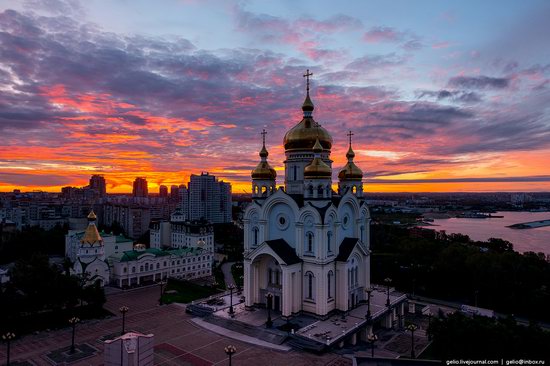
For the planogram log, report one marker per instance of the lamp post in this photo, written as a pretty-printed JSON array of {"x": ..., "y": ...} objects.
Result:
[
  {"x": 368, "y": 291},
  {"x": 269, "y": 298},
  {"x": 231, "y": 287},
  {"x": 161, "y": 284},
  {"x": 230, "y": 351},
  {"x": 372, "y": 338},
  {"x": 73, "y": 322},
  {"x": 7, "y": 338},
  {"x": 123, "y": 310},
  {"x": 388, "y": 284},
  {"x": 411, "y": 328}
]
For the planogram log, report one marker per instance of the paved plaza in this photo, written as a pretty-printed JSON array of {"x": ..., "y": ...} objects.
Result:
[{"x": 179, "y": 341}]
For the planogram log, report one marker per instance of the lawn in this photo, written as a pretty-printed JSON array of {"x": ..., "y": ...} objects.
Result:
[{"x": 185, "y": 292}]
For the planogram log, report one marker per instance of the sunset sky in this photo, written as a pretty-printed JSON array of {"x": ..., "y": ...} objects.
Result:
[{"x": 441, "y": 95}]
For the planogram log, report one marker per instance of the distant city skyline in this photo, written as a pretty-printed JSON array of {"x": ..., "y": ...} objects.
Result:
[{"x": 441, "y": 96}]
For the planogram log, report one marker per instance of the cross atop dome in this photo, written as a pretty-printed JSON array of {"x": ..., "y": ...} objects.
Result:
[
  {"x": 307, "y": 75},
  {"x": 349, "y": 135}
]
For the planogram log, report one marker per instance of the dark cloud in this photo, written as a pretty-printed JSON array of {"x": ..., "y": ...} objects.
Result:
[
  {"x": 460, "y": 96},
  {"x": 479, "y": 82}
]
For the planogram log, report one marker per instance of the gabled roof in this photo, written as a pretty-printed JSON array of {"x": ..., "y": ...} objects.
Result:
[
  {"x": 284, "y": 251},
  {"x": 346, "y": 247}
]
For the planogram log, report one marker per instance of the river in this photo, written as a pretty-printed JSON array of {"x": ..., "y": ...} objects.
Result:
[{"x": 524, "y": 240}]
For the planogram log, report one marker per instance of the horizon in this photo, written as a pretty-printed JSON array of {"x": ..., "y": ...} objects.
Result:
[{"x": 442, "y": 98}]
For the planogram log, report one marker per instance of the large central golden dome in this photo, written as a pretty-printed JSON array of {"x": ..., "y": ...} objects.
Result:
[{"x": 304, "y": 134}]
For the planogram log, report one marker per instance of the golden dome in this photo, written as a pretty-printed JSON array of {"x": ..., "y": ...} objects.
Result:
[
  {"x": 317, "y": 168},
  {"x": 92, "y": 216},
  {"x": 350, "y": 170},
  {"x": 264, "y": 171},
  {"x": 304, "y": 134}
]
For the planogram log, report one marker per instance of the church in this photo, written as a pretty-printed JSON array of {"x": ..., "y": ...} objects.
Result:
[{"x": 306, "y": 247}]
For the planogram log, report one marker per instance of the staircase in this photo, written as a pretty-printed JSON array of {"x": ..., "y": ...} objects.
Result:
[{"x": 269, "y": 335}]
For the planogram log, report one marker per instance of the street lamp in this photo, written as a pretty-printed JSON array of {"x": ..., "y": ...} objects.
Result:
[
  {"x": 123, "y": 310},
  {"x": 368, "y": 291},
  {"x": 161, "y": 284},
  {"x": 388, "y": 284},
  {"x": 412, "y": 328},
  {"x": 231, "y": 287},
  {"x": 269, "y": 298},
  {"x": 230, "y": 351},
  {"x": 372, "y": 338},
  {"x": 73, "y": 322},
  {"x": 7, "y": 338}
]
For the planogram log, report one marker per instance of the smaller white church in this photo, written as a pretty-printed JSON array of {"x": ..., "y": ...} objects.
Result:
[{"x": 305, "y": 244}]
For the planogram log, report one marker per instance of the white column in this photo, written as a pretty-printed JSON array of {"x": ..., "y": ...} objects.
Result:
[{"x": 287, "y": 293}]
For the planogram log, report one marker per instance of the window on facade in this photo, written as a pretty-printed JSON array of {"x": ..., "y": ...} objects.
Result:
[
  {"x": 295, "y": 171},
  {"x": 310, "y": 286},
  {"x": 133, "y": 269},
  {"x": 124, "y": 270},
  {"x": 329, "y": 284},
  {"x": 141, "y": 268},
  {"x": 158, "y": 265},
  {"x": 309, "y": 237},
  {"x": 255, "y": 233},
  {"x": 329, "y": 241},
  {"x": 270, "y": 275}
]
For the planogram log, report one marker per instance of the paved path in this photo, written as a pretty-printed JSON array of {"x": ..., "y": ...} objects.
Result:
[
  {"x": 178, "y": 341},
  {"x": 227, "y": 275}
]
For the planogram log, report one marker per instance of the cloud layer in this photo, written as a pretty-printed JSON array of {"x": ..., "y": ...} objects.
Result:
[{"x": 76, "y": 99}]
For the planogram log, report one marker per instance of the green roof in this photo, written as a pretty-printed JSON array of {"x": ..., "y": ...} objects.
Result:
[{"x": 132, "y": 255}]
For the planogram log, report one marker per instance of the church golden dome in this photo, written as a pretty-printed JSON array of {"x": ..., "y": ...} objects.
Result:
[
  {"x": 263, "y": 170},
  {"x": 350, "y": 171},
  {"x": 304, "y": 134},
  {"x": 317, "y": 168}
]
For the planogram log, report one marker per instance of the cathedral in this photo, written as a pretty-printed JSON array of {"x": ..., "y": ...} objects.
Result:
[{"x": 306, "y": 247}]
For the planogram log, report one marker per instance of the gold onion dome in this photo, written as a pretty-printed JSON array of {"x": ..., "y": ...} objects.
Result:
[
  {"x": 350, "y": 170},
  {"x": 304, "y": 134},
  {"x": 263, "y": 170},
  {"x": 92, "y": 216},
  {"x": 317, "y": 168}
]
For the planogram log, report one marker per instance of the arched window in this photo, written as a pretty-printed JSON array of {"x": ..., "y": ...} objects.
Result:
[
  {"x": 353, "y": 189},
  {"x": 295, "y": 171},
  {"x": 329, "y": 242},
  {"x": 270, "y": 276},
  {"x": 310, "y": 191},
  {"x": 255, "y": 233},
  {"x": 329, "y": 284},
  {"x": 320, "y": 191},
  {"x": 362, "y": 234},
  {"x": 309, "y": 242},
  {"x": 309, "y": 289}
]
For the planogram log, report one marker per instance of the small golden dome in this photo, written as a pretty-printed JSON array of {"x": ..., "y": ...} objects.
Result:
[
  {"x": 92, "y": 216},
  {"x": 350, "y": 170},
  {"x": 264, "y": 171},
  {"x": 317, "y": 168}
]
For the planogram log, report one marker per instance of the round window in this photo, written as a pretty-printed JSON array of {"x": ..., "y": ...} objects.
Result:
[
  {"x": 346, "y": 221},
  {"x": 282, "y": 221}
]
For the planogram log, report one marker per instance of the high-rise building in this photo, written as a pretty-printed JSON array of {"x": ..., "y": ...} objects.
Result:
[
  {"x": 140, "y": 187},
  {"x": 174, "y": 192},
  {"x": 97, "y": 183},
  {"x": 163, "y": 191},
  {"x": 209, "y": 199}
]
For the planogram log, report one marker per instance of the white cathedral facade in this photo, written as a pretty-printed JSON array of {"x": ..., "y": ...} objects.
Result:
[{"x": 305, "y": 245}]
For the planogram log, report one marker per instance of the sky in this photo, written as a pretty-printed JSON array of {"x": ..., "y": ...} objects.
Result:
[{"x": 440, "y": 95}]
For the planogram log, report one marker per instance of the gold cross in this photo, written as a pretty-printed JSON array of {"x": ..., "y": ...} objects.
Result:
[
  {"x": 350, "y": 134},
  {"x": 307, "y": 75},
  {"x": 263, "y": 133}
]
